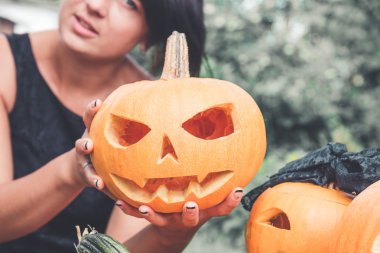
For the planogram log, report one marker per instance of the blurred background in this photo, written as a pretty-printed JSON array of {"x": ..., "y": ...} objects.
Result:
[{"x": 313, "y": 67}]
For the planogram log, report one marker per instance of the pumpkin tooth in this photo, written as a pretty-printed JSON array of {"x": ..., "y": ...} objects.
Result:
[
  {"x": 141, "y": 182},
  {"x": 215, "y": 181},
  {"x": 194, "y": 187},
  {"x": 162, "y": 192},
  {"x": 201, "y": 176}
]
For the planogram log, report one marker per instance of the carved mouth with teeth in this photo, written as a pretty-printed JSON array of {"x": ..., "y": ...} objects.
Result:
[{"x": 172, "y": 189}]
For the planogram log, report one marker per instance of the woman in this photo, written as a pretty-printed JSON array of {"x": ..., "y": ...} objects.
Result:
[{"x": 47, "y": 81}]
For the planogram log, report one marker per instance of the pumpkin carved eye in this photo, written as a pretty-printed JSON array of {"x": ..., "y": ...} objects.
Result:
[
  {"x": 125, "y": 132},
  {"x": 212, "y": 123},
  {"x": 280, "y": 221},
  {"x": 276, "y": 218}
]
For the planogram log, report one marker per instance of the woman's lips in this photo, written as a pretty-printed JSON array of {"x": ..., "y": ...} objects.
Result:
[{"x": 83, "y": 28}]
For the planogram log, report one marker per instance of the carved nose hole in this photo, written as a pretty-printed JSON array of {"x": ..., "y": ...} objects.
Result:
[{"x": 167, "y": 148}]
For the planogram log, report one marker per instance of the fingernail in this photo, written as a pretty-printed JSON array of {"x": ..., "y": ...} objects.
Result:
[
  {"x": 238, "y": 193},
  {"x": 85, "y": 145},
  {"x": 190, "y": 205},
  {"x": 96, "y": 181},
  {"x": 118, "y": 203},
  {"x": 143, "y": 210},
  {"x": 94, "y": 104}
]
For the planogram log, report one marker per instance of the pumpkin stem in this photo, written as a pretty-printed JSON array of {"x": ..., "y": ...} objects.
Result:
[{"x": 176, "y": 57}]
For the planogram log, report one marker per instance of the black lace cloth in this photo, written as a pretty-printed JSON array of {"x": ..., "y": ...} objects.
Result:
[{"x": 351, "y": 172}]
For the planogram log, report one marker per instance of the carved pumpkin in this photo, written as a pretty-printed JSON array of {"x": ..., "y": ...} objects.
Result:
[
  {"x": 376, "y": 245},
  {"x": 296, "y": 218},
  {"x": 177, "y": 139},
  {"x": 360, "y": 224}
]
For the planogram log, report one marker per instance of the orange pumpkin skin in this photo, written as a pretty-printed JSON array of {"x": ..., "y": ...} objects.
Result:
[
  {"x": 360, "y": 224},
  {"x": 296, "y": 218},
  {"x": 198, "y": 137}
]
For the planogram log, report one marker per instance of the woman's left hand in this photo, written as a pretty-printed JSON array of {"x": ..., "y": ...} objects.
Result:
[{"x": 184, "y": 224}]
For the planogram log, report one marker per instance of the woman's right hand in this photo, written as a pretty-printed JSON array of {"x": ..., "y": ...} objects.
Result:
[{"x": 85, "y": 172}]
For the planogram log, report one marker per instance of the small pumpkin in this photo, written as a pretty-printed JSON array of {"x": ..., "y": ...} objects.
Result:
[
  {"x": 296, "y": 218},
  {"x": 162, "y": 143},
  {"x": 360, "y": 224}
]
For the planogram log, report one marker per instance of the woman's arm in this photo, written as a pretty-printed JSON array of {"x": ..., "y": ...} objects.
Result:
[
  {"x": 6, "y": 171},
  {"x": 141, "y": 236},
  {"x": 29, "y": 202},
  {"x": 151, "y": 239},
  {"x": 7, "y": 97},
  {"x": 122, "y": 227}
]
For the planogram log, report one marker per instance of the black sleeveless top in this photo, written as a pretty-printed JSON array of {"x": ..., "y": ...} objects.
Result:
[{"x": 41, "y": 129}]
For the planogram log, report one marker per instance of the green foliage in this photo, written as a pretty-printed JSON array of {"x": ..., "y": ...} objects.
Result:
[{"x": 311, "y": 65}]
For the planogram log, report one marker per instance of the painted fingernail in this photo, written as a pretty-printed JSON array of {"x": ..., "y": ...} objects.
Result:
[
  {"x": 85, "y": 145},
  {"x": 143, "y": 210},
  {"x": 96, "y": 181},
  {"x": 94, "y": 104},
  {"x": 190, "y": 205},
  {"x": 238, "y": 193}
]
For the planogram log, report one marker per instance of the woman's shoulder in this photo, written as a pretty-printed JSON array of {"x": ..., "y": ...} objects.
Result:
[{"x": 7, "y": 74}]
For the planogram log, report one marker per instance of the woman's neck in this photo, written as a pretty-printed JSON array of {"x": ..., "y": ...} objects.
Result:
[
  {"x": 82, "y": 73},
  {"x": 74, "y": 78}
]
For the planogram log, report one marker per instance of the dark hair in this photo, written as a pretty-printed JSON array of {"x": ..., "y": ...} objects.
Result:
[{"x": 184, "y": 16}]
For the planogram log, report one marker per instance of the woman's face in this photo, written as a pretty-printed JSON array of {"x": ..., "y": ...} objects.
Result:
[{"x": 102, "y": 28}]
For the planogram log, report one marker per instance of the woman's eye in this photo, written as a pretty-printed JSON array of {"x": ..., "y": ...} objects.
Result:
[{"x": 131, "y": 4}]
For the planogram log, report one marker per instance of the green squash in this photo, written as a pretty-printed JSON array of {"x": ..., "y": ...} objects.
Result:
[{"x": 94, "y": 242}]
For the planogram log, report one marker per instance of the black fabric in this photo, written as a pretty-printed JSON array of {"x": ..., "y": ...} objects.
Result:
[
  {"x": 41, "y": 129},
  {"x": 351, "y": 172}
]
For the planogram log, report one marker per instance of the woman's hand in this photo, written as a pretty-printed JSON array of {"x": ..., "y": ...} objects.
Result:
[
  {"x": 180, "y": 227},
  {"x": 85, "y": 172}
]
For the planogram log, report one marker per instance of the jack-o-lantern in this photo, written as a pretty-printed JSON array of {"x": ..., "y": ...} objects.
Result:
[
  {"x": 360, "y": 224},
  {"x": 295, "y": 218},
  {"x": 376, "y": 245},
  {"x": 177, "y": 139}
]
